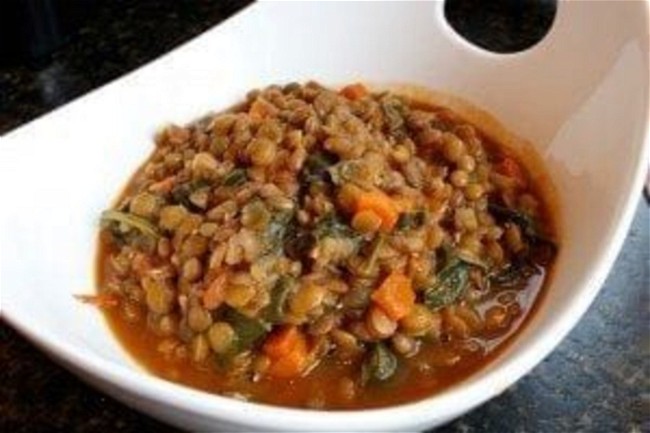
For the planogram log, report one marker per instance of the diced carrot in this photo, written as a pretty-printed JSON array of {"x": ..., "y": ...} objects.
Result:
[
  {"x": 287, "y": 349},
  {"x": 101, "y": 300},
  {"x": 214, "y": 295},
  {"x": 395, "y": 296},
  {"x": 164, "y": 186},
  {"x": 293, "y": 363},
  {"x": 511, "y": 168},
  {"x": 381, "y": 204},
  {"x": 354, "y": 91},
  {"x": 282, "y": 341},
  {"x": 260, "y": 109}
]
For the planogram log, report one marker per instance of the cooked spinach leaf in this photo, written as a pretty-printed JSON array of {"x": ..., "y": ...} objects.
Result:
[
  {"x": 317, "y": 165},
  {"x": 449, "y": 285},
  {"x": 380, "y": 364},
  {"x": 141, "y": 224},
  {"x": 277, "y": 230},
  {"x": 411, "y": 220},
  {"x": 249, "y": 331},
  {"x": 236, "y": 177},
  {"x": 331, "y": 225},
  {"x": 279, "y": 295},
  {"x": 516, "y": 274}
]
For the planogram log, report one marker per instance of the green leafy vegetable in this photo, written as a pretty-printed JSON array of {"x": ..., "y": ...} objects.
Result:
[
  {"x": 472, "y": 260},
  {"x": 527, "y": 224},
  {"x": 344, "y": 171},
  {"x": 380, "y": 364},
  {"x": 136, "y": 222},
  {"x": 394, "y": 112},
  {"x": 276, "y": 230},
  {"x": 411, "y": 220},
  {"x": 182, "y": 193},
  {"x": 543, "y": 248},
  {"x": 316, "y": 166},
  {"x": 279, "y": 295},
  {"x": 332, "y": 226},
  {"x": 249, "y": 331},
  {"x": 236, "y": 177},
  {"x": 367, "y": 268},
  {"x": 516, "y": 274},
  {"x": 298, "y": 242},
  {"x": 449, "y": 285}
]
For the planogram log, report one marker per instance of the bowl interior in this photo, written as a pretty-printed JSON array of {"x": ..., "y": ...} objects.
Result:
[{"x": 580, "y": 97}]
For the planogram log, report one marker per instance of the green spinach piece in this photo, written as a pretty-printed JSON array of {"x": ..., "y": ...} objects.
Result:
[
  {"x": 279, "y": 295},
  {"x": 331, "y": 225},
  {"x": 140, "y": 224},
  {"x": 449, "y": 285},
  {"x": 276, "y": 232},
  {"x": 515, "y": 275},
  {"x": 316, "y": 167},
  {"x": 411, "y": 220},
  {"x": 394, "y": 112},
  {"x": 379, "y": 366},
  {"x": 528, "y": 225},
  {"x": 249, "y": 331},
  {"x": 236, "y": 177}
]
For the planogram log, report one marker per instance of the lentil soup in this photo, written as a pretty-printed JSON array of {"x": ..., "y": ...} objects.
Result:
[{"x": 324, "y": 249}]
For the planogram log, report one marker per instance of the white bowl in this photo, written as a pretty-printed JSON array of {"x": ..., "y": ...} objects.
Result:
[{"x": 581, "y": 96}]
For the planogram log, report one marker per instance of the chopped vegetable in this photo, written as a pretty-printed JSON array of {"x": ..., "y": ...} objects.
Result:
[
  {"x": 276, "y": 231},
  {"x": 528, "y": 226},
  {"x": 395, "y": 296},
  {"x": 516, "y": 274},
  {"x": 393, "y": 111},
  {"x": 279, "y": 296},
  {"x": 379, "y": 366},
  {"x": 449, "y": 285},
  {"x": 368, "y": 268},
  {"x": 510, "y": 168},
  {"x": 164, "y": 186},
  {"x": 317, "y": 165},
  {"x": 249, "y": 331},
  {"x": 282, "y": 341},
  {"x": 333, "y": 226},
  {"x": 214, "y": 295},
  {"x": 381, "y": 204},
  {"x": 138, "y": 223},
  {"x": 288, "y": 351},
  {"x": 354, "y": 91},
  {"x": 411, "y": 220},
  {"x": 236, "y": 177}
]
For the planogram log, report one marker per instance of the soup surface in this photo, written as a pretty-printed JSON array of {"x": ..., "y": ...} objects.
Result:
[{"x": 324, "y": 249}]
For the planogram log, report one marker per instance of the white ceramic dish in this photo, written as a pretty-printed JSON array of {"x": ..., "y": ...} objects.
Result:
[{"x": 581, "y": 96}]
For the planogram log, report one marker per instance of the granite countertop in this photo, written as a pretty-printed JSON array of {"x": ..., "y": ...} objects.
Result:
[{"x": 597, "y": 380}]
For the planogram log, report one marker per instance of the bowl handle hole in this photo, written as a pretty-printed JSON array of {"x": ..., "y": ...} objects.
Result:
[{"x": 501, "y": 26}]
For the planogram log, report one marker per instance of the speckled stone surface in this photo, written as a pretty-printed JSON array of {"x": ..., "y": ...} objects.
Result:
[{"x": 598, "y": 380}]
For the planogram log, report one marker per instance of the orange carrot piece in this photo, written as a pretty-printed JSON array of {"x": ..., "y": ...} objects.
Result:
[
  {"x": 395, "y": 296},
  {"x": 511, "y": 168},
  {"x": 101, "y": 300},
  {"x": 354, "y": 91},
  {"x": 214, "y": 295},
  {"x": 293, "y": 362},
  {"x": 164, "y": 186},
  {"x": 281, "y": 342},
  {"x": 381, "y": 204}
]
